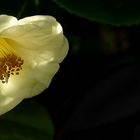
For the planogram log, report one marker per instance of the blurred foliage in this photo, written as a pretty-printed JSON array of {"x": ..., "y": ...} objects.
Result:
[
  {"x": 116, "y": 12},
  {"x": 27, "y": 121}
]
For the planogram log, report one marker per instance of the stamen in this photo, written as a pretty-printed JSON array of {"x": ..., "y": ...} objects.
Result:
[{"x": 10, "y": 63}]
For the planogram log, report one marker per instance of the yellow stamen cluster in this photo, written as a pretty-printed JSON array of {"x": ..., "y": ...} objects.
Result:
[{"x": 10, "y": 63}]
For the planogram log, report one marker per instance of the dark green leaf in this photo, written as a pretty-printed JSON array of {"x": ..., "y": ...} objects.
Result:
[
  {"x": 116, "y": 12},
  {"x": 28, "y": 121}
]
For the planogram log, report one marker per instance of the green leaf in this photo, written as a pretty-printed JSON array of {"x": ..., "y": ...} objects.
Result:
[
  {"x": 28, "y": 121},
  {"x": 114, "y": 12}
]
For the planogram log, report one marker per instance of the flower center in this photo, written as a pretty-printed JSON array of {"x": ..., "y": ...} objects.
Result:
[{"x": 10, "y": 63}]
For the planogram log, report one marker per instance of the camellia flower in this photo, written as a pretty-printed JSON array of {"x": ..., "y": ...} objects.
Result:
[{"x": 30, "y": 52}]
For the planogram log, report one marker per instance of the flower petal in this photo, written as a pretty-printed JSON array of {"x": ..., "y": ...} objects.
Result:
[
  {"x": 44, "y": 36},
  {"x": 8, "y": 102},
  {"x": 39, "y": 40},
  {"x": 30, "y": 81},
  {"x": 6, "y": 22}
]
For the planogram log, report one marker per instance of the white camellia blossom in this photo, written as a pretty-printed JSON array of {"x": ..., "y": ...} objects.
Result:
[{"x": 30, "y": 52}]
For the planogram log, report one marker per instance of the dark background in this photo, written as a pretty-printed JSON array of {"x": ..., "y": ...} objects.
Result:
[{"x": 96, "y": 93}]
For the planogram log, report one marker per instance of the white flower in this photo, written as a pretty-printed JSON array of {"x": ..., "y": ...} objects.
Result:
[{"x": 30, "y": 52}]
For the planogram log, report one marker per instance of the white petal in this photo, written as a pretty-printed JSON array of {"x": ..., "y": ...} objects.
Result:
[
  {"x": 30, "y": 81},
  {"x": 39, "y": 40},
  {"x": 8, "y": 102},
  {"x": 6, "y": 22},
  {"x": 43, "y": 36}
]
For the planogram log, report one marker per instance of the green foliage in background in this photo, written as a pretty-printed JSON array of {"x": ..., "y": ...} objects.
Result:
[
  {"x": 114, "y": 12},
  {"x": 27, "y": 121}
]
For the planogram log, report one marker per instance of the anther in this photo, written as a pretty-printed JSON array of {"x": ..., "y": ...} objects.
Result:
[{"x": 9, "y": 65}]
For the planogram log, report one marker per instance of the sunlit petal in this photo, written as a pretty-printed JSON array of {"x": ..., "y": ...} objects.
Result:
[{"x": 30, "y": 52}]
